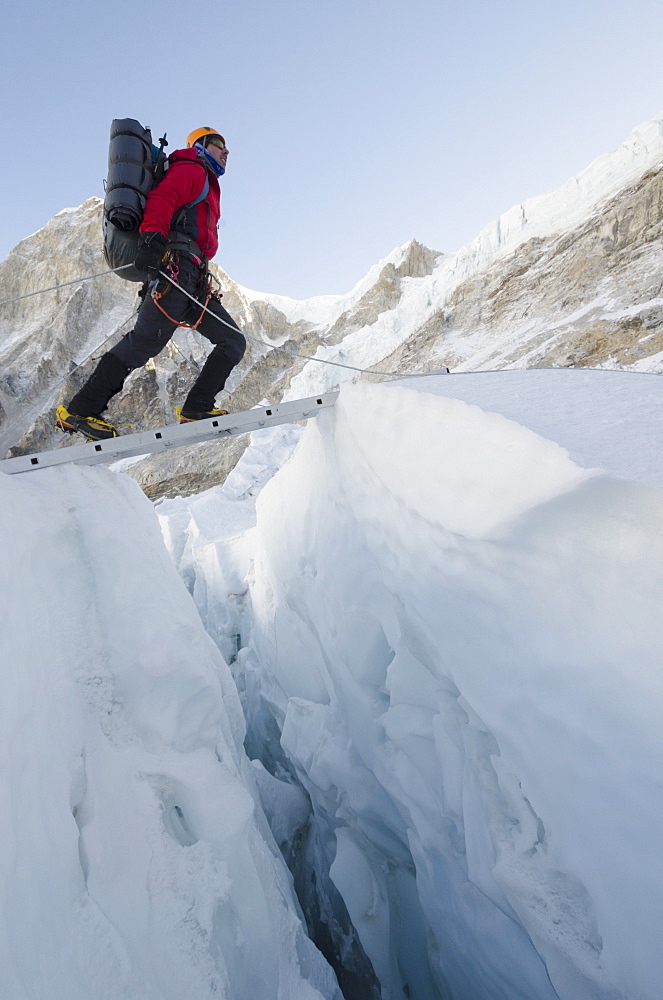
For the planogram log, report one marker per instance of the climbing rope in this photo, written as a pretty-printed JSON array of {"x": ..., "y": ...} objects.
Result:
[
  {"x": 294, "y": 354},
  {"x": 257, "y": 340},
  {"x": 64, "y": 284}
]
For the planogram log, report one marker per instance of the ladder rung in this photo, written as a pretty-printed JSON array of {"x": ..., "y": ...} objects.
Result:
[{"x": 176, "y": 436}]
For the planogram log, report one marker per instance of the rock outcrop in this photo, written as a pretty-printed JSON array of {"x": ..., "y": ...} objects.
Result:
[{"x": 591, "y": 297}]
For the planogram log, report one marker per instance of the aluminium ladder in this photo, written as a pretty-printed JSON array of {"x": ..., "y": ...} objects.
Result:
[{"x": 176, "y": 436}]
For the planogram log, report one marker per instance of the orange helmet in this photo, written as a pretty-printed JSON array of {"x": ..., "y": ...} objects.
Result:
[{"x": 200, "y": 134}]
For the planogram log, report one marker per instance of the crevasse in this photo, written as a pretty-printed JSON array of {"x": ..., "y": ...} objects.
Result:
[{"x": 448, "y": 630}]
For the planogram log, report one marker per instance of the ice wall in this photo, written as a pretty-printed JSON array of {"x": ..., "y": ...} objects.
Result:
[
  {"x": 458, "y": 631},
  {"x": 134, "y": 861}
]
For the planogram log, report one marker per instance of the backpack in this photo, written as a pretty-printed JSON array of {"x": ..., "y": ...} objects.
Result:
[{"x": 135, "y": 166}]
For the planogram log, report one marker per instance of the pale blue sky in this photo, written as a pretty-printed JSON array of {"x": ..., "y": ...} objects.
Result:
[{"x": 352, "y": 126}]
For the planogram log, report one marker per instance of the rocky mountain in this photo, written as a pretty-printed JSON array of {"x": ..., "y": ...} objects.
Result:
[{"x": 571, "y": 279}]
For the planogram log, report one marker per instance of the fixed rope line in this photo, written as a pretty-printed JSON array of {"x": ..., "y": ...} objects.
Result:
[
  {"x": 257, "y": 340},
  {"x": 113, "y": 333},
  {"x": 285, "y": 350},
  {"x": 64, "y": 284}
]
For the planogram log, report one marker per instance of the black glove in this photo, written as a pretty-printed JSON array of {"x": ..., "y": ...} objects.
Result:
[{"x": 151, "y": 248}]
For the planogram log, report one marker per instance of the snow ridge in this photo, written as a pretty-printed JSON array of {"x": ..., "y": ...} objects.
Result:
[{"x": 540, "y": 216}]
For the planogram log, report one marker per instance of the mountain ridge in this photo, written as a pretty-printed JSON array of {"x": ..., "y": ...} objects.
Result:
[{"x": 524, "y": 293}]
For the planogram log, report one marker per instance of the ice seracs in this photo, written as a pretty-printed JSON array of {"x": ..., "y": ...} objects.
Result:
[
  {"x": 453, "y": 624},
  {"x": 134, "y": 860}
]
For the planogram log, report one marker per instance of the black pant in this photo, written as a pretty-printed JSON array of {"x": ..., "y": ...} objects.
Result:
[{"x": 150, "y": 335}]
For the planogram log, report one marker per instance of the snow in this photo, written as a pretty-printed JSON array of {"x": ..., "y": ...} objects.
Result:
[
  {"x": 543, "y": 216},
  {"x": 324, "y": 310},
  {"x": 412, "y": 649},
  {"x": 437, "y": 609},
  {"x": 135, "y": 862},
  {"x": 568, "y": 205},
  {"x": 612, "y": 420},
  {"x": 449, "y": 602},
  {"x": 423, "y": 298}
]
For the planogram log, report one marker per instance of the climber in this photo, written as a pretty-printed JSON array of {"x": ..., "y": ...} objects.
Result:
[{"x": 178, "y": 235}]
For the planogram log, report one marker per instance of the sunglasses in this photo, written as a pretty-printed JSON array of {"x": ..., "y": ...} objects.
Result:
[{"x": 217, "y": 142}]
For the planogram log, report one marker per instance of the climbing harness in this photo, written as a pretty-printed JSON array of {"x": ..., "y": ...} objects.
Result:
[{"x": 207, "y": 292}]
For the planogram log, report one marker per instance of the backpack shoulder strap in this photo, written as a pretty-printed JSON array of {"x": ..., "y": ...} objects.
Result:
[
  {"x": 203, "y": 194},
  {"x": 179, "y": 221}
]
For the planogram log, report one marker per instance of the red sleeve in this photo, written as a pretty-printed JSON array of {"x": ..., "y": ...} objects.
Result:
[{"x": 182, "y": 184}]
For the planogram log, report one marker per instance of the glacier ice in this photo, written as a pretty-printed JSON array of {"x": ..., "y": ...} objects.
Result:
[
  {"x": 454, "y": 625},
  {"x": 135, "y": 861},
  {"x": 432, "y": 618}
]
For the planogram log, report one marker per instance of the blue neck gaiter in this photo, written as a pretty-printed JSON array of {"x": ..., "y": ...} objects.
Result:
[{"x": 216, "y": 167}]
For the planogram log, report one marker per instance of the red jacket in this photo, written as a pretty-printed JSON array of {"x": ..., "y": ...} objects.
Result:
[{"x": 182, "y": 184}]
